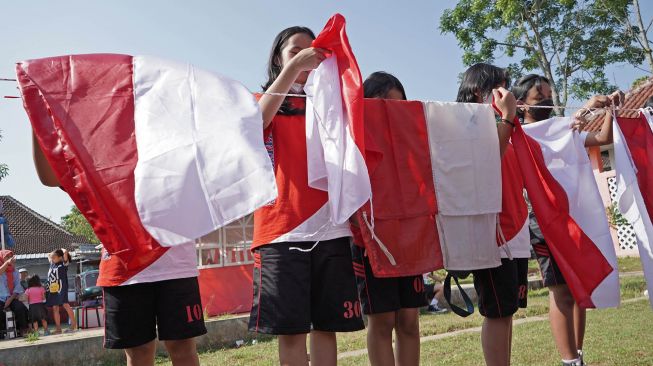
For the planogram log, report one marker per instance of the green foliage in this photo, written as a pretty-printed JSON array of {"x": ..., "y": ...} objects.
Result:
[
  {"x": 32, "y": 337},
  {"x": 77, "y": 224},
  {"x": 615, "y": 219},
  {"x": 569, "y": 41},
  {"x": 4, "y": 169},
  {"x": 639, "y": 81}
]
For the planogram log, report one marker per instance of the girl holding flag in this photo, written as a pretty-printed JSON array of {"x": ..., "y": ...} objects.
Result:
[
  {"x": 389, "y": 303},
  {"x": 566, "y": 317},
  {"x": 502, "y": 290},
  {"x": 303, "y": 274},
  {"x": 138, "y": 308}
]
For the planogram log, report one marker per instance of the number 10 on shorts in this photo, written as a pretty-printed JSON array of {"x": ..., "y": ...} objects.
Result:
[{"x": 194, "y": 313}]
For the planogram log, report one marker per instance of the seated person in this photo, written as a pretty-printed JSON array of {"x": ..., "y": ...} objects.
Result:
[{"x": 10, "y": 289}]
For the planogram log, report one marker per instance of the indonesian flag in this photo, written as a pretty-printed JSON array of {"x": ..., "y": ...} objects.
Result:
[
  {"x": 435, "y": 199},
  {"x": 633, "y": 151},
  {"x": 152, "y": 152},
  {"x": 568, "y": 207},
  {"x": 334, "y": 125}
]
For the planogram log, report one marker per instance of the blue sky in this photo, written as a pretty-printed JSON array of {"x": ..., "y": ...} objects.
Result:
[{"x": 232, "y": 38}]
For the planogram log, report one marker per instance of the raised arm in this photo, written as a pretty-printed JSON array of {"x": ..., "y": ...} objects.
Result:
[
  {"x": 3, "y": 266},
  {"x": 305, "y": 60},
  {"x": 507, "y": 105},
  {"x": 604, "y": 135},
  {"x": 43, "y": 168}
]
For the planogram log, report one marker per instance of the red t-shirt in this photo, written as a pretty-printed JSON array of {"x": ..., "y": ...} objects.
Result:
[{"x": 299, "y": 213}]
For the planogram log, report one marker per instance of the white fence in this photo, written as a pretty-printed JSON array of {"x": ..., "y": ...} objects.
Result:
[{"x": 625, "y": 232}]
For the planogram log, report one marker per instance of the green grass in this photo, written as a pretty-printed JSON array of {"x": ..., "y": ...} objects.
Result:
[
  {"x": 629, "y": 264},
  {"x": 32, "y": 337},
  {"x": 626, "y": 264},
  {"x": 614, "y": 337},
  {"x": 465, "y": 349}
]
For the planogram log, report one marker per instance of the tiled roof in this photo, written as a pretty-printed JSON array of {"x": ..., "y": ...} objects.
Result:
[
  {"x": 33, "y": 233},
  {"x": 635, "y": 98}
]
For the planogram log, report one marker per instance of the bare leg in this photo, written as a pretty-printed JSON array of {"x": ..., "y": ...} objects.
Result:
[
  {"x": 561, "y": 318},
  {"x": 379, "y": 338},
  {"x": 292, "y": 350},
  {"x": 183, "y": 352},
  {"x": 407, "y": 344},
  {"x": 141, "y": 355},
  {"x": 495, "y": 338},
  {"x": 35, "y": 326},
  {"x": 579, "y": 325},
  {"x": 44, "y": 323},
  {"x": 71, "y": 316},
  {"x": 57, "y": 318},
  {"x": 324, "y": 350}
]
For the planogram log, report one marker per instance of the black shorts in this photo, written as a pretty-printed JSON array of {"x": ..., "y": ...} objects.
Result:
[
  {"x": 37, "y": 312},
  {"x": 551, "y": 274},
  {"x": 296, "y": 292},
  {"x": 134, "y": 313},
  {"x": 502, "y": 290},
  {"x": 382, "y": 295}
]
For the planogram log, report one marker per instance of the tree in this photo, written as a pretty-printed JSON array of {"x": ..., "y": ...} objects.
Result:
[
  {"x": 570, "y": 42},
  {"x": 632, "y": 23},
  {"x": 4, "y": 169},
  {"x": 638, "y": 82},
  {"x": 77, "y": 224}
]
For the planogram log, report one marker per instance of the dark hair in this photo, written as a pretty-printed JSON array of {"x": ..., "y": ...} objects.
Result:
[
  {"x": 34, "y": 281},
  {"x": 274, "y": 63},
  {"x": 649, "y": 103},
  {"x": 523, "y": 85},
  {"x": 58, "y": 252},
  {"x": 379, "y": 83},
  {"x": 481, "y": 78}
]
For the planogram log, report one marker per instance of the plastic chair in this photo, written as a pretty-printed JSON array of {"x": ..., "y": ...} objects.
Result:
[
  {"x": 82, "y": 312},
  {"x": 10, "y": 325}
]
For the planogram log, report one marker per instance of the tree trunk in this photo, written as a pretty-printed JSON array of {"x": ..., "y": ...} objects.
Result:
[
  {"x": 545, "y": 65},
  {"x": 643, "y": 37}
]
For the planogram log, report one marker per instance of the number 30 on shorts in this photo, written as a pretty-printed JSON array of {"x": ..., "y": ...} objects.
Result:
[{"x": 352, "y": 309}]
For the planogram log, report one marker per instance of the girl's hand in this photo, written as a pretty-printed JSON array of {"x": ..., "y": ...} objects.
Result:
[
  {"x": 579, "y": 123},
  {"x": 617, "y": 98},
  {"x": 505, "y": 102},
  {"x": 307, "y": 59},
  {"x": 598, "y": 101}
]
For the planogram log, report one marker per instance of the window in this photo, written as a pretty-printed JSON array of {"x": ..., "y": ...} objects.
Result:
[{"x": 228, "y": 246}]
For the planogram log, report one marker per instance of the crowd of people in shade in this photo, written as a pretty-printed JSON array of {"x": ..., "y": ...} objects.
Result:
[
  {"x": 28, "y": 297},
  {"x": 294, "y": 291}
]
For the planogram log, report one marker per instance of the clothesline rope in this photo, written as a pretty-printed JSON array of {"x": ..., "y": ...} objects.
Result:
[{"x": 522, "y": 105}]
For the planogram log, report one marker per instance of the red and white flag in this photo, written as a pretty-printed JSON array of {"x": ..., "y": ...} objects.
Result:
[
  {"x": 633, "y": 152},
  {"x": 435, "y": 200},
  {"x": 334, "y": 125},
  {"x": 569, "y": 210},
  {"x": 154, "y": 153}
]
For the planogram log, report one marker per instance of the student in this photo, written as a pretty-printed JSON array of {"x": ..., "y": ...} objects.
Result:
[
  {"x": 433, "y": 288},
  {"x": 10, "y": 289},
  {"x": 396, "y": 300},
  {"x": 567, "y": 319},
  {"x": 303, "y": 273},
  {"x": 58, "y": 290},
  {"x": 501, "y": 290},
  {"x": 36, "y": 299},
  {"x": 143, "y": 298}
]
